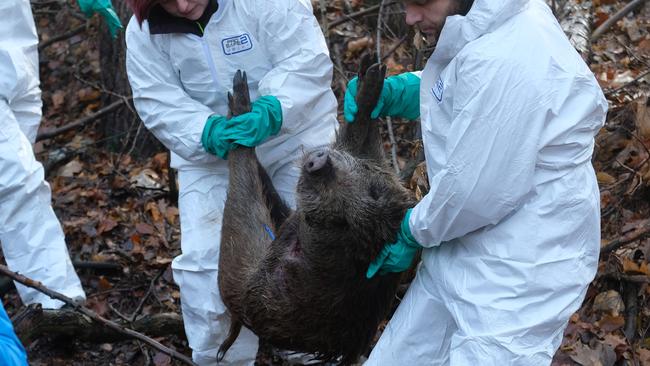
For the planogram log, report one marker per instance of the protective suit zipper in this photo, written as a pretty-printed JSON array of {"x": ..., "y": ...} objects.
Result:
[{"x": 208, "y": 56}]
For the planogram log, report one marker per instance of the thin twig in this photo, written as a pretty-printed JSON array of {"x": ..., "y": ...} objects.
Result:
[
  {"x": 395, "y": 47},
  {"x": 343, "y": 80},
  {"x": 614, "y": 18},
  {"x": 103, "y": 89},
  {"x": 118, "y": 313},
  {"x": 380, "y": 22},
  {"x": 80, "y": 122},
  {"x": 323, "y": 17},
  {"x": 617, "y": 243},
  {"x": 641, "y": 76},
  {"x": 62, "y": 37},
  {"x": 144, "y": 298},
  {"x": 135, "y": 138},
  {"x": 91, "y": 314},
  {"x": 351, "y": 16}
]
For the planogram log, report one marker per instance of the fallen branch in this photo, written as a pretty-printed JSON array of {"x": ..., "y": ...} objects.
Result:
[
  {"x": 33, "y": 322},
  {"x": 92, "y": 315},
  {"x": 97, "y": 266},
  {"x": 6, "y": 284},
  {"x": 615, "y": 18},
  {"x": 639, "y": 279},
  {"x": 48, "y": 134}
]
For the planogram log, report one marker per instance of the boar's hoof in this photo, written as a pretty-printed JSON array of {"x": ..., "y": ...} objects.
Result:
[{"x": 316, "y": 161}]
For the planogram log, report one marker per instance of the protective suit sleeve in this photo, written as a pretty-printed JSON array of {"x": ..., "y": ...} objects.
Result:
[
  {"x": 490, "y": 150},
  {"x": 302, "y": 71},
  {"x": 166, "y": 109}
]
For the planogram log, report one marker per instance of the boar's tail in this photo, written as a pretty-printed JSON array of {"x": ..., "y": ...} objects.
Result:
[{"x": 233, "y": 333}]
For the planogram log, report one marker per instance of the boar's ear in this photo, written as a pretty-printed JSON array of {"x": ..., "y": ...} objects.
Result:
[{"x": 362, "y": 138}]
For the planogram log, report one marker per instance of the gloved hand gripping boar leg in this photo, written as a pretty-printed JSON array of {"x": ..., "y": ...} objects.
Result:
[{"x": 298, "y": 278}]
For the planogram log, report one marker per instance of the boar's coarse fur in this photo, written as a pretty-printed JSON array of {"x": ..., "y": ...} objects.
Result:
[{"x": 306, "y": 290}]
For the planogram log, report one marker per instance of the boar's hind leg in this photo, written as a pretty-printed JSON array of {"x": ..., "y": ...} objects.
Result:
[
  {"x": 239, "y": 103},
  {"x": 246, "y": 216},
  {"x": 362, "y": 137}
]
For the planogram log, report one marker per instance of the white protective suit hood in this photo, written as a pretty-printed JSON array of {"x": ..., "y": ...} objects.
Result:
[
  {"x": 482, "y": 18},
  {"x": 511, "y": 224}
]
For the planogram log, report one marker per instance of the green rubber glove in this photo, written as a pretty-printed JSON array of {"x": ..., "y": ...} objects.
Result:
[
  {"x": 105, "y": 9},
  {"x": 400, "y": 97},
  {"x": 397, "y": 256},
  {"x": 220, "y": 135}
]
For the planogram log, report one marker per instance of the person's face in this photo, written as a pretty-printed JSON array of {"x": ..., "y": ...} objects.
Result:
[
  {"x": 190, "y": 9},
  {"x": 430, "y": 15}
]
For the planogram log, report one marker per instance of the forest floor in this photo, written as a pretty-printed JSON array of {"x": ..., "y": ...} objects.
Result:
[{"x": 122, "y": 224}]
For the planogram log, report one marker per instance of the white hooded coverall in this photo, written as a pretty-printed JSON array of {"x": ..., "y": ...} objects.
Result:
[
  {"x": 179, "y": 80},
  {"x": 511, "y": 224},
  {"x": 32, "y": 240}
]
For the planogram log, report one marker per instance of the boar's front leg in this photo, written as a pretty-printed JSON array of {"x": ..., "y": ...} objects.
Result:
[{"x": 247, "y": 223}]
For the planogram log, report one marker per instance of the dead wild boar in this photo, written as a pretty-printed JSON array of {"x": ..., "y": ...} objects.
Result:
[{"x": 297, "y": 278}]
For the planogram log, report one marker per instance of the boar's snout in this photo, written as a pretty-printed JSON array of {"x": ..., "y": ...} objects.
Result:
[{"x": 317, "y": 161}]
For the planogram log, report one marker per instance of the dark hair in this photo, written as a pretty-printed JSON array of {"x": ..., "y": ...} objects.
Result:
[
  {"x": 141, "y": 8},
  {"x": 464, "y": 6}
]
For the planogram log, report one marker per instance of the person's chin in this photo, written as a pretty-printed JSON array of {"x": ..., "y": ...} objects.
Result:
[
  {"x": 190, "y": 16},
  {"x": 431, "y": 37}
]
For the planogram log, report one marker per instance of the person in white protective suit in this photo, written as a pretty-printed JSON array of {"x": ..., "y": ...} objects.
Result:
[
  {"x": 510, "y": 228},
  {"x": 32, "y": 239},
  {"x": 181, "y": 59}
]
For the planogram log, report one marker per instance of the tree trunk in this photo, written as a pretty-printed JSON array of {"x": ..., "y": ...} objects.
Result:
[{"x": 123, "y": 129}]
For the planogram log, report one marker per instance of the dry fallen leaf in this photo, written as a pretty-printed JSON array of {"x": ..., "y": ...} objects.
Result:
[
  {"x": 609, "y": 302},
  {"x": 103, "y": 284},
  {"x": 58, "y": 98},
  {"x": 70, "y": 169},
  {"x": 153, "y": 210},
  {"x": 632, "y": 268},
  {"x": 106, "y": 225},
  {"x": 161, "y": 359},
  {"x": 360, "y": 44},
  {"x": 586, "y": 356},
  {"x": 143, "y": 228},
  {"x": 604, "y": 178},
  {"x": 146, "y": 178},
  {"x": 609, "y": 323}
]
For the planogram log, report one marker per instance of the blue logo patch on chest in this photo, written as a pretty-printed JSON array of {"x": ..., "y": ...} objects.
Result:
[
  {"x": 236, "y": 44},
  {"x": 438, "y": 89}
]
